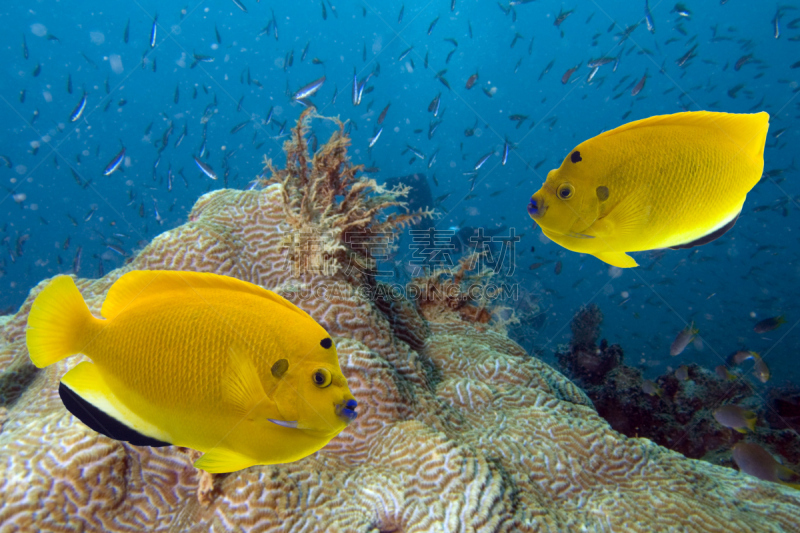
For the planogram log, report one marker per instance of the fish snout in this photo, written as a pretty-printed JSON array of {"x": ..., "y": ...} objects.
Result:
[
  {"x": 347, "y": 410},
  {"x": 536, "y": 207}
]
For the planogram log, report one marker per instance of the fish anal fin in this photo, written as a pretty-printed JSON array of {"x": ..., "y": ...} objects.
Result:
[
  {"x": 86, "y": 395},
  {"x": 714, "y": 235},
  {"x": 242, "y": 388},
  {"x": 221, "y": 461},
  {"x": 617, "y": 259},
  {"x": 142, "y": 283}
]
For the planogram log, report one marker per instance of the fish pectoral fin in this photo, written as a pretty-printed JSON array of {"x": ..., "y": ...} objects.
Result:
[
  {"x": 627, "y": 218},
  {"x": 617, "y": 259},
  {"x": 579, "y": 235},
  {"x": 221, "y": 461},
  {"x": 287, "y": 424},
  {"x": 241, "y": 386},
  {"x": 86, "y": 395}
]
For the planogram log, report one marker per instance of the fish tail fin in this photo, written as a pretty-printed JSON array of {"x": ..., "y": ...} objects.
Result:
[
  {"x": 788, "y": 477},
  {"x": 748, "y": 131},
  {"x": 751, "y": 419},
  {"x": 759, "y": 124},
  {"x": 57, "y": 322},
  {"x": 781, "y": 320}
]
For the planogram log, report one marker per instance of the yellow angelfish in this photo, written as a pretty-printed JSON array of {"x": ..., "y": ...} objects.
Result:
[
  {"x": 669, "y": 181},
  {"x": 198, "y": 360}
]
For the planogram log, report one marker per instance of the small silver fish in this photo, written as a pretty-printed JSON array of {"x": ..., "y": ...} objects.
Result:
[
  {"x": 115, "y": 163},
  {"x": 153, "y": 32},
  {"x": 78, "y": 111},
  {"x": 648, "y": 17},
  {"x": 754, "y": 460},
  {"x": 735, "y": 417},
  {"x": 309, "y": 89},
  {"x": 760, "y": 368},
  {"x": 207, "y": 170},
  {"x": 375, "y": 139},
  {"x": 650, "y": 387},
  {"x": 683, "y": 339},
  {"x": 483, "y": 160}
]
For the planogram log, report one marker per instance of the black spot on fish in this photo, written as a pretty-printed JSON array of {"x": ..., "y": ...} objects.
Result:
[
  {"x": 279, "y": 368},
  {"x": 602, "y": 193},
  {"x": 326, "y": 343},
  {"x": 575, "y": 157}
]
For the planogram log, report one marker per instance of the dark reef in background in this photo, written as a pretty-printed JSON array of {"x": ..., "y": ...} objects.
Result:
[
  {"x": 531, "y": 319},
  {"x": 681, "y": 417}
]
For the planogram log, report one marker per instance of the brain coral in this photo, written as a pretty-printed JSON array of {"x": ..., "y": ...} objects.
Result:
[{"x": 459, "y": 429}]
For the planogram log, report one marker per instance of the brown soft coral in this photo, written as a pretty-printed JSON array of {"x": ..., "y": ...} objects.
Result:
[
  {"x": 337, "y": 217},
  {"x": 463, "y": 431}
]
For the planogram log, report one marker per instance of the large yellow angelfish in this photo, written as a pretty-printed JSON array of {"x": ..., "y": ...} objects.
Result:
[
  {"x": 198, "y": 360},
  {"x": 669, "y": 181}
]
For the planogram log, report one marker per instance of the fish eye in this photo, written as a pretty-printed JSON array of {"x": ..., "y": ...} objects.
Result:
[
  {"x": 566, "y": 191},
  {"x": 321, "y": 377},
  {"x": 326, "y": 343}
]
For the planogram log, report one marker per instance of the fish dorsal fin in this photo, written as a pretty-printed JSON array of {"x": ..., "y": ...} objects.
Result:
[
  {"x": 138, "y": 283},
  {"x": 222, "y": 460},
  {"x": 747, "y": 130},
  {"x": 241, "y": 386}
]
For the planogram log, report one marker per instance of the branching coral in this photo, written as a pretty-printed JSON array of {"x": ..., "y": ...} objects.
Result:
[
  {"x": 447, "y": 289},
  {"x": 336, "y": 216}
]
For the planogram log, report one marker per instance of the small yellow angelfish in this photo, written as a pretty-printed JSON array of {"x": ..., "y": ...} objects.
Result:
[
  {"x": 198, "y": 360},
  {"x": 669, "y": 181}
]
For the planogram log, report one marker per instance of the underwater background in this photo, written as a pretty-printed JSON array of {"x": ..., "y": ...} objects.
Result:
[
  {"x": 60, "y": 214},
  {"x": 144, "y": 135},
  {"x": 168, "y": 85}
]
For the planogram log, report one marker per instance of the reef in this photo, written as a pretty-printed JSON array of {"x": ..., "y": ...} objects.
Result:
[
  {"x": 681, "y": 416},
  {"x": 459, "y": 429}
]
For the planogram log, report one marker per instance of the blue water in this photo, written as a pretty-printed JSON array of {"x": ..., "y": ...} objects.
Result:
[{"x": 724, "y": 287}]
